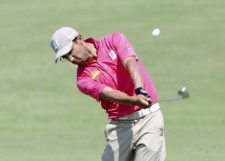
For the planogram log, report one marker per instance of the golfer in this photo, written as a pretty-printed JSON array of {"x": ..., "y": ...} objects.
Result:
[{"x": 110, "y": 71}]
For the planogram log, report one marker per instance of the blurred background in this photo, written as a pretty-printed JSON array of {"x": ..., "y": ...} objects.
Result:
[{"x": 45, "y": 118}]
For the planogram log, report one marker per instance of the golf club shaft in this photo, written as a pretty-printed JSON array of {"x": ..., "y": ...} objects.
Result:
[{"x": 170, "y": 99}]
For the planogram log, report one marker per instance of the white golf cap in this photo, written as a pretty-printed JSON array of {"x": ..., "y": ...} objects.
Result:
[{"x": 62, "y": 41}]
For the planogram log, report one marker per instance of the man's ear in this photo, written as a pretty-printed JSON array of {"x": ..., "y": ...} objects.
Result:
[{"x": 80, "y": 39}]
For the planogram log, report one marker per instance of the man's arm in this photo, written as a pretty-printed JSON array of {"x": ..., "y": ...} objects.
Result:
[
  {"x": 122, "y": 98},
  {"x": 131, "y": 66},
  {"x": 128, "y": 56}
]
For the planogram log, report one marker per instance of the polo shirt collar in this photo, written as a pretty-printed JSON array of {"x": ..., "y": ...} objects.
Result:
[
  {"x": 93, "y": 41},
  {"x": 96, "y": 44}
]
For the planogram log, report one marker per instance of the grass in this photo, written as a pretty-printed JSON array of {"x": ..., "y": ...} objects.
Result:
[{"x": 44, "y": 117}]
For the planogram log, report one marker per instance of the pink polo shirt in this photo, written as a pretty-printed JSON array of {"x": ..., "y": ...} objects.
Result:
[{"x": 108, "y": 70}]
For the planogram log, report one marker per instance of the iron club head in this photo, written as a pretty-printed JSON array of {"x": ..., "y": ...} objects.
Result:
[{"x": 183, "y": 92}]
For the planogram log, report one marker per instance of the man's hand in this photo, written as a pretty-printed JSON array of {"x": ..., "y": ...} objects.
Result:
[
  {"x": 141, "y": 101},
  {"x": 142, "y": 91}
]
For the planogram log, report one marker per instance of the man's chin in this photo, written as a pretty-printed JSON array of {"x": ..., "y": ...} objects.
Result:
[{"x": 81, "y": 63}]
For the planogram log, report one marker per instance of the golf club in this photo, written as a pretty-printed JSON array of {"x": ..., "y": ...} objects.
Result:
[{"x": 182, "y": 94}]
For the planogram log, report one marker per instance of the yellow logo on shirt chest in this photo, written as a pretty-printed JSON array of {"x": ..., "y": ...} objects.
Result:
[{"x": 95, "y": 74}]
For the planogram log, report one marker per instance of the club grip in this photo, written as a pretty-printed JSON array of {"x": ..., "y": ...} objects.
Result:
[{"x": 142, "y": 91}]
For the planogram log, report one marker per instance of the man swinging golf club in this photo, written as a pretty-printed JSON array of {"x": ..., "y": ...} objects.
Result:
[{"x": 110, "y": 71}]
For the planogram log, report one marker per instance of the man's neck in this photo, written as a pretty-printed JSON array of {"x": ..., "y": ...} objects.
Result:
[{"x": 92, "y": 50}]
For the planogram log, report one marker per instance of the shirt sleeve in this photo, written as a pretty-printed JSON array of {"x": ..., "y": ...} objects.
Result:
[
  {"x": 90, "y": 87},
  {"x": 122, "y": 46}
]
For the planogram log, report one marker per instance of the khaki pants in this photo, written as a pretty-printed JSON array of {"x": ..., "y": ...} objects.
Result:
[{"x": 137, "y": 140}]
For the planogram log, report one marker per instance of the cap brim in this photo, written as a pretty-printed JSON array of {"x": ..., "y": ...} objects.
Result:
[{"x": 63, "y": 51}]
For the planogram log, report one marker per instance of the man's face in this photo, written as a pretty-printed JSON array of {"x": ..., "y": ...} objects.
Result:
[{"x": 78, "y": 55}]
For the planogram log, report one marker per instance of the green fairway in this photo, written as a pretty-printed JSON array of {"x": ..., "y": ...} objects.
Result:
[{"x": 45, "y": 118}]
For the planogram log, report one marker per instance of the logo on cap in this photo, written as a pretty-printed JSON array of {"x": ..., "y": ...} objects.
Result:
[{"x": 55, "y": 45}]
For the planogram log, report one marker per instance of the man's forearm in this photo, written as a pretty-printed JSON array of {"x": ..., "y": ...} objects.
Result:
[
  {"x": 132, "y": 68},
  {"x": 122, "y": 98},
  {"x": 116, "y": 96}
]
